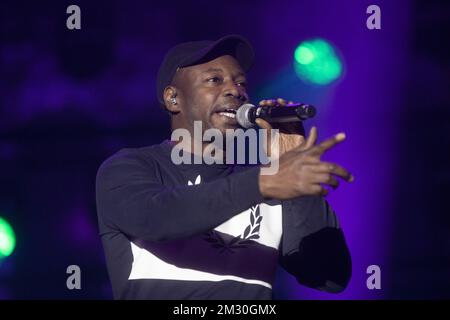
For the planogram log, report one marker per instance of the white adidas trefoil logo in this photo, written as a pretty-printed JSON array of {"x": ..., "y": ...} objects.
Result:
[{"x": 197, "y": 181}]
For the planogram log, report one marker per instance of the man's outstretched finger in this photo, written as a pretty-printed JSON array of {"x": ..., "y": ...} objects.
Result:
[
  {"x": 310, "y": 141},
  {"x": 335, "y": 169},
  {"x": 327, "y": 179},
  {"x": 320, "y": 148},
  {"x": 312, "y": 138}
]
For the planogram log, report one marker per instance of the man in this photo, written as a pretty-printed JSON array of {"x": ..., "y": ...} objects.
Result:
[{"x": 197, "y": 231}]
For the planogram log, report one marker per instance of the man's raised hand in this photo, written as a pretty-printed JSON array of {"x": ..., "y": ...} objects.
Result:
[{"x": 301, "y": 171}]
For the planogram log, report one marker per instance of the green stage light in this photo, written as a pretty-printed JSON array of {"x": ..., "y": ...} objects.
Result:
[
  {"x": 7, "y": 238},
  {"x": 316, "y": 61}
]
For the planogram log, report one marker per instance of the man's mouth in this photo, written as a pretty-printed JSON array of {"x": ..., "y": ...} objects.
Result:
[{"x": 229, "y": 112}]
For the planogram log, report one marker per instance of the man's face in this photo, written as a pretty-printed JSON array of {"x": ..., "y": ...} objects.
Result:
[{"x": 211, "y": 93}]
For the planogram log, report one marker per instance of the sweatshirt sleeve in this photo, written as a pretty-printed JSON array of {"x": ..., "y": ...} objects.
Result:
[
  {"x": 313, "y": 245},
  {"x": 131, "y": 198}
]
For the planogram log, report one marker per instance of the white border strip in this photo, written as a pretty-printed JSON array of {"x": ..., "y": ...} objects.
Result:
[{"x": 148, "y": 266}]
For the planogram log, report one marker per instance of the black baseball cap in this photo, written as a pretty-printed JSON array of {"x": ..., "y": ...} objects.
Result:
[{"x": 197, "y": 52}]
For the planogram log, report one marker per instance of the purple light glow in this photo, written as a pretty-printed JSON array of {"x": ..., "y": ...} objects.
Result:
[
  {"x": 82, "y": 232},
  {"x": 365, "y": 105}
]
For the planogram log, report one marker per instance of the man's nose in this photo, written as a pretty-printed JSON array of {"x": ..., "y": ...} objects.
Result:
[{"x": 233, "y": 90}]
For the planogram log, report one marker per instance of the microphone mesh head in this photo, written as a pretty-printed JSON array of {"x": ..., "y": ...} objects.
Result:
[{"x": 242, "y": 115}]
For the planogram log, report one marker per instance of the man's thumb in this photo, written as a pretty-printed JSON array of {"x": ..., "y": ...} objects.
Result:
[{"x": 263, "y": 124}]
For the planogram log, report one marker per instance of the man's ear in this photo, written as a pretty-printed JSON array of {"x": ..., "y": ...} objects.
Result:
[{"x": 170, "y": 99}]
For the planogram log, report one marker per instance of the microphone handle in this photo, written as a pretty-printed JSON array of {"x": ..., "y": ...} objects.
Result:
[{"x": 284, "y": 114}]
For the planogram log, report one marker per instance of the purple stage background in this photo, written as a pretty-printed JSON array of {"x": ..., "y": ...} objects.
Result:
[{"x": 71, "y": 98}]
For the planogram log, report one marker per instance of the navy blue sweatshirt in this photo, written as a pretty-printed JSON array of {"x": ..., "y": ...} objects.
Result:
[{"x": 197, "y": 231}]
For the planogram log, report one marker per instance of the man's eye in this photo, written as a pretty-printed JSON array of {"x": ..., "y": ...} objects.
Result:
[
  {"x": 213, "y": 79},
  {"x": 242, "y": 84}
]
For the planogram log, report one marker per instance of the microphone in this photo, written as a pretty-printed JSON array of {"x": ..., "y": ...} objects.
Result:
[{"x": 248, "y": 113}]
